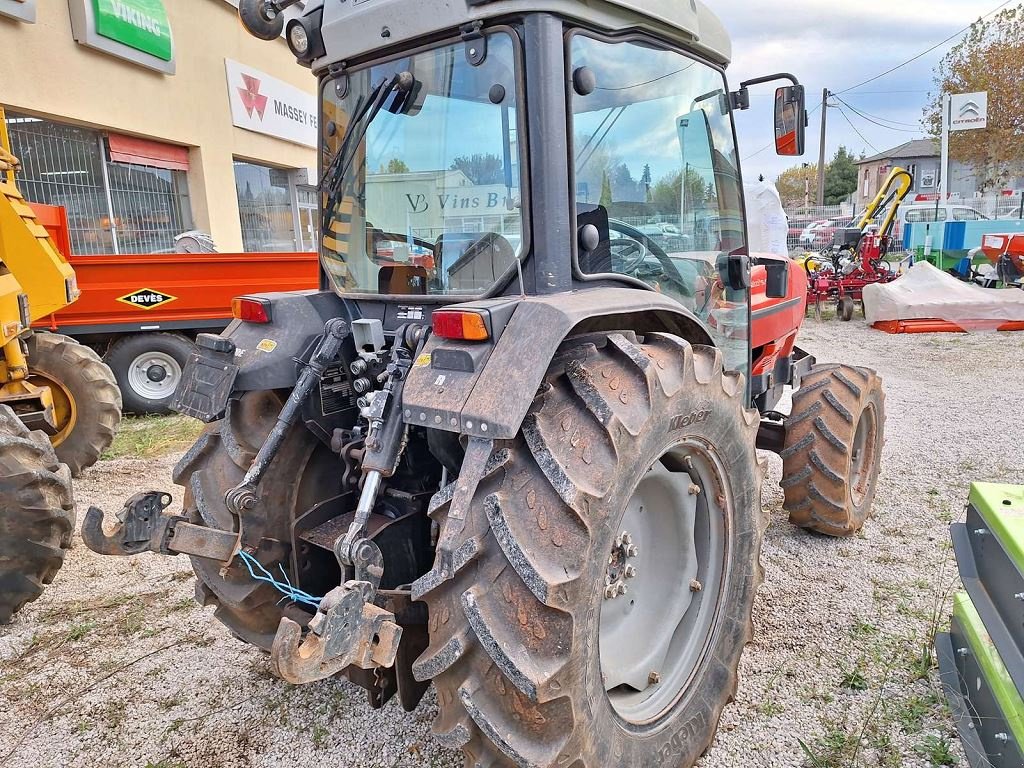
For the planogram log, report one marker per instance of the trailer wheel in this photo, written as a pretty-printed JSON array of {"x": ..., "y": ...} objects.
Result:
[
  {"x": 148, "y": 369},
  {"x": 303, "y": 473},
  {"x": 833, "y": 449},
  {"x": 604, "y": 569},
  {"x": 37, "y": 514},
  {"x": 87, "y": 402}
]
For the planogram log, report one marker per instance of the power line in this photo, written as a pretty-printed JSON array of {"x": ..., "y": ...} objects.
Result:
[
  {"x": 856, "y": 130},
  {"x": 924, "y": 53},
  {"x": 874, "y": 121},
  {"x": 868, "y": 115}
]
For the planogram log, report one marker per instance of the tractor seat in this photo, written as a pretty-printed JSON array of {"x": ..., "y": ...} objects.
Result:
[{"x": 472, "y": 262}]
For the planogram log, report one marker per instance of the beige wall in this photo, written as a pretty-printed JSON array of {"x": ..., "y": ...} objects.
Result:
[{"x": 44, "y": 71}]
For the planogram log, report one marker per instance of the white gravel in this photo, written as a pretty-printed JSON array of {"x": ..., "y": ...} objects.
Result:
[{"x": 116, "y": 666}]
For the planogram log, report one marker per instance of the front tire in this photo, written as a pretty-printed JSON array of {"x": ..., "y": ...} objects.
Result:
[
  {"x": 37, "y": 514},
  {"x": 833, "y": 449},
  {"x": 86, "y": 399},
  {"x": 521, "y": 650}
]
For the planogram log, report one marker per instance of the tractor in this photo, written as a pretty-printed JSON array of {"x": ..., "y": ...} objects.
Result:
[
  {"x": 59, "y": 405},
  {"x": 509, "y": 447},
  {"x": 857, "y": 255}
]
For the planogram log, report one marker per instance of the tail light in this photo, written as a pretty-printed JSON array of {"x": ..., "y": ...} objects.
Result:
[
  {"x": 460, "y": 324},
  {"x": 250, "y": 309}
]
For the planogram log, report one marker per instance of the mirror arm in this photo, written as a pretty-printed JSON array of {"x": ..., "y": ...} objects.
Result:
[{"x": 740, "y": 99}]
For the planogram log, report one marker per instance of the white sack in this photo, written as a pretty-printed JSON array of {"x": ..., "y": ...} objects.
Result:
[
  {"x": 767, "y": 226},
  {"x": 928, "y": 292}
]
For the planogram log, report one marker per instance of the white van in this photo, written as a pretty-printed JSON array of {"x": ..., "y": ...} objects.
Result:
[{"x": 929, "y": 212}]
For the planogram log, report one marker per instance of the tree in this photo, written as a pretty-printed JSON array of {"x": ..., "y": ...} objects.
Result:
[
  {"x": 481, "y": 169},
  {"x": 840, "y": 177},
  {"x": 624, "y": 187},
  {"x": 606, "y": 192},
  {"x": 795, "y": 183},
  {"x": 990, "y": 58},
  {"x": 396, "y": 165}
]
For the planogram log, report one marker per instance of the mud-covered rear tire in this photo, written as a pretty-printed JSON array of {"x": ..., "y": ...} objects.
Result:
[
  {"x": 303, "y": 473},
  {"x": 37, "y": 514},
  {"x": 516, "y": 632},
  {"x": 86, "y": 398},
  {"x": 833, "y": 449}
]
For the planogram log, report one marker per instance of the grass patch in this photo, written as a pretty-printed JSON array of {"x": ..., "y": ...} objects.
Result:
[
  {"x": 147, "y": 437},
  {"x": 938, "y": 750}
]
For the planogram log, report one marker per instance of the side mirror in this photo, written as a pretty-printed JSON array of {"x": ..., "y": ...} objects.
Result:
[{"x": 790, "y": 120}]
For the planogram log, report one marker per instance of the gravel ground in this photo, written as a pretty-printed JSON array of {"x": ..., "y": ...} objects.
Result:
[{"x": 116, "y": 666}]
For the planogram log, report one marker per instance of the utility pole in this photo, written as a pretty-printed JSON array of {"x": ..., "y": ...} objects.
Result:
[{"x": 821, "y": 148}]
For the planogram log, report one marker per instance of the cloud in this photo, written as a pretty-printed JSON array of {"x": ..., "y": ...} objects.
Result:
[{"x": 837, "y": 45}]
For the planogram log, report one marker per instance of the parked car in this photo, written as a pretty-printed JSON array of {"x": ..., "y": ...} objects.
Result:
[{"x": 819, "y": 234}]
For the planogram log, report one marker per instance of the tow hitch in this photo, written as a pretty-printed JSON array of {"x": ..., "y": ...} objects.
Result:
[{"x": 349, "y": 629}]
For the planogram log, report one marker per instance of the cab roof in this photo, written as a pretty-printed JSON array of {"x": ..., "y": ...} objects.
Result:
[{"x": 356, "y": 28}]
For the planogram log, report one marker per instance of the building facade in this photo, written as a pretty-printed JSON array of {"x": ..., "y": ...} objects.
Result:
[{"x": 148, "y": 118}]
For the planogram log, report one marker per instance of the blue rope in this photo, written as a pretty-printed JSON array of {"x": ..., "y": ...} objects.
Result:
[{"x": 290, "y": 592}]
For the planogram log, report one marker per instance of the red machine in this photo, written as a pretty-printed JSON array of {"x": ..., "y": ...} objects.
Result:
[
  {"x": 1006, "y": 252},
  {"x": 857, "y": 255}
]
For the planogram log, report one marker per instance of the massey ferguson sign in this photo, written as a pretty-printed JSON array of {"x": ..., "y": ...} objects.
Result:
[{"x": 267, "y": 105}]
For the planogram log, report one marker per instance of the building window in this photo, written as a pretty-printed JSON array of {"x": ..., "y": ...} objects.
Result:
[
  {"x": 112, "y": 207},
  {"x": 266, "y": 206}
]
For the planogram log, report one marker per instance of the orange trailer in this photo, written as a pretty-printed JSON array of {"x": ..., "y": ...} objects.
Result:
[{"x": 142, "y": 312}]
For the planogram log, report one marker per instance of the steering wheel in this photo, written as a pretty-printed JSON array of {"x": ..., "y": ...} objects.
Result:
[
  {"x": 646, "y": 246},
  {"x": 627, "y": 246}
]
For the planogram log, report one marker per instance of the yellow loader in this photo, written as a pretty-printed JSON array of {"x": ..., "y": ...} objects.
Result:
[{"x": 59, "y": 404}]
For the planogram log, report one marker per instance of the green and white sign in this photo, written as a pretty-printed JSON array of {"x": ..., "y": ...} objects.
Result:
[
  {"x": 139, "y": 24},
  {"x": 22, "y": 10},
  {"x": 138, "y": 31}
]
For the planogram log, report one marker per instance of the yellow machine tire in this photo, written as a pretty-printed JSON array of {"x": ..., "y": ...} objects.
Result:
[
  {"x": 37, "y": 514},
  {"x": 87, "y": 402}
]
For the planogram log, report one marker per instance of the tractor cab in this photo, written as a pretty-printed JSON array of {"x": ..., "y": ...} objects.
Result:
[
  {"x": 509, "y": 448},
  {"x": 525, "y": 152}
]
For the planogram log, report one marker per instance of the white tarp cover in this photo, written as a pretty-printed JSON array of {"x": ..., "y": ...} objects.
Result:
[
  {"x": 928, "y": 292},
  {"x": 767, "y": 227}
]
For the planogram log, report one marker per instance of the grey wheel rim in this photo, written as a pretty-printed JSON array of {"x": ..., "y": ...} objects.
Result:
[
  {"x": 154, "y": 375},
  {"x": 663, "y": 583},
  {"x": 863, "y": 455}
]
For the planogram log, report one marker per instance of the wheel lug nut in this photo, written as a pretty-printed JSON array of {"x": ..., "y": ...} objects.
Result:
[
  {"x": 622, "y": 589},
  {"x": 696, "y": 586},
  {"x": 629, "y": 572},
  {"x": 610, "y": 591},
  {"x": 632, "y": 551},
  {"x": 626, "y": 538},
  {"x": 694, "y": 489},
  {"x": 653, "y": 678}
]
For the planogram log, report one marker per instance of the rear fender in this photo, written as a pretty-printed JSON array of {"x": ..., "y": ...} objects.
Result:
[
  {"x": 265, "y": 352},
  {"x": 484, "y": 389}
]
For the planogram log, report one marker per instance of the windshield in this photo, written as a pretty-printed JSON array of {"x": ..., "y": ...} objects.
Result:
[
  {"x": 657, "y": 175},
  {"x": 426, "y": 196}
]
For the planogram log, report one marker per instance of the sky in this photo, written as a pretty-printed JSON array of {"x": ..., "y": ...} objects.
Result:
[{"x": 836, "y": 45}]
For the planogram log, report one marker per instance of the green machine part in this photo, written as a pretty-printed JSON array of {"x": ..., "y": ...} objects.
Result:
[
  {"x": 981, "y": 659},
  {"x": 996, "y": 676}
]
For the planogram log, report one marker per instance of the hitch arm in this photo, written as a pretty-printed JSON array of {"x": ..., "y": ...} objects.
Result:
[
  {"x": 243, "y": 497},
  {"x": 143, "y": 527}
]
